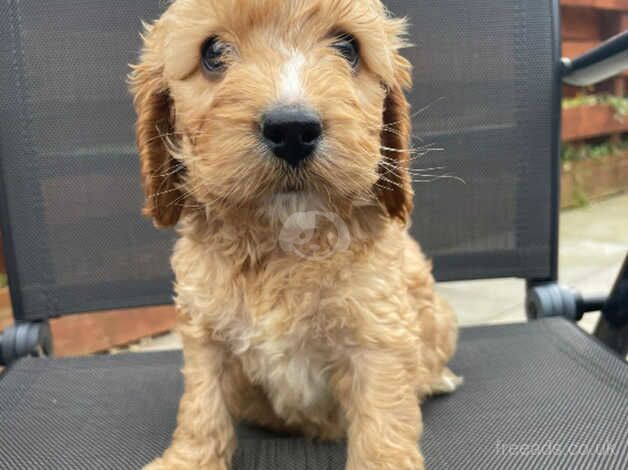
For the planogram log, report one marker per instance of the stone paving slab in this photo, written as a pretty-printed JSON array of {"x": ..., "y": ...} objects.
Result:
[{"x": 593, "y": 245}]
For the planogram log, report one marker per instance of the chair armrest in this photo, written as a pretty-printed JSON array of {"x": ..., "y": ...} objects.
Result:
[{"x": 605, "y": 61}]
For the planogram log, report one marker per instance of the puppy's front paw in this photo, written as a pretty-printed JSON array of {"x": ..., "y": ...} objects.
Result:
[
  {"x": 448, "y": 382},
  {"x": 157, "y": 464},
  {"x": 388, "y": 460}
]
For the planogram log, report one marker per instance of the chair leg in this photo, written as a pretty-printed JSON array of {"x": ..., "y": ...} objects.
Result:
[
  {"x": 612, "y": 329},
  {"x": 615, "y": 338}
]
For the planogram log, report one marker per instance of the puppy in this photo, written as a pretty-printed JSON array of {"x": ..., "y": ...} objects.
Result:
[{"x": 274, "y": 134}]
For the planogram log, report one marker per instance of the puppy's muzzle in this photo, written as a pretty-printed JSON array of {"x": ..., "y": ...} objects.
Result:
[{"x": 292, "y": 133}]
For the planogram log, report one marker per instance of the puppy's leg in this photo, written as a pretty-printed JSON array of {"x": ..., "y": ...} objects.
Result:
[
  {"x": 440, "y": 335},
  {"x": 205, "y": 437},
  {"x": 379, "y": 398},
  {"x": 447, "y": 382}
]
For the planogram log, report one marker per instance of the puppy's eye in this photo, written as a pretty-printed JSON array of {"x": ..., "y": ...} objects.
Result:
[
  {"x": 347, "y": 46},
  {"x": 213, "y": 54}
]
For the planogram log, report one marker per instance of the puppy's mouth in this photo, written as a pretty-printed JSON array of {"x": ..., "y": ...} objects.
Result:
[
  {"x": 290, "y": 189},
  {"x": 294, "y": 178},
  {"x": 292, "y": 183}
]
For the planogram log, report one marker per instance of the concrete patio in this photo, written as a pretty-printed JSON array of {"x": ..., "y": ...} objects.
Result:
[{"x": 593, "y": 245}]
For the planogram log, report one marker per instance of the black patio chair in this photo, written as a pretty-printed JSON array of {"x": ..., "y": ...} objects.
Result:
[{"x": 487, "y": 90}]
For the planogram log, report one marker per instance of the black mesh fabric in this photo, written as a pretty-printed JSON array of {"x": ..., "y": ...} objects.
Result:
[
  {"x": 483, "y": 93},
  {"x": 545, "y": 384},
  {"x": 70, "y": 170}
]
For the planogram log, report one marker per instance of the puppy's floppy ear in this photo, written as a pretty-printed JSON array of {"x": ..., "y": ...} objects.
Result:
[
  {"x": 394, "y": 188},
  {"x": 154, "y": 127}
]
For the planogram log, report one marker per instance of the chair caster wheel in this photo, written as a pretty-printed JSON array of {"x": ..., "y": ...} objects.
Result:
[
  {"x": 25, "y": 339},
  {"x": 553, "y": 300}
]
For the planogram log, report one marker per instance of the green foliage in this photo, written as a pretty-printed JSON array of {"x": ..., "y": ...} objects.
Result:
[
  {"x": 581, "y": 100},
  {"x": 580, "y": 198},
  {"x": 607, "y": 148},
  {"x": 3, "y": 280},
  {"x": 618, "y": 103}
]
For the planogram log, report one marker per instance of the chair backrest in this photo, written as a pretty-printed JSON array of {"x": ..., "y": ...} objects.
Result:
[
  {"x": 485, "y": 92},
  {"x": 75, "y": 238}
]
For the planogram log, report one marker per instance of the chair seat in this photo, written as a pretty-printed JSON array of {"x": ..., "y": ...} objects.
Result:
[{"x": 545, "y": 385}]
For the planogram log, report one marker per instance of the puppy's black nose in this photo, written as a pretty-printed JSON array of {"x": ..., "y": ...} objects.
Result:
[{"x": 292, "y": 132}]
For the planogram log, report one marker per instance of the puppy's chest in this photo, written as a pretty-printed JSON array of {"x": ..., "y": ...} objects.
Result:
[{"x": 291, "y": 369}]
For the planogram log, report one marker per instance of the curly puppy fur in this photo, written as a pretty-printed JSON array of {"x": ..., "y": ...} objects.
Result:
[{"x": 341, "y": 342}]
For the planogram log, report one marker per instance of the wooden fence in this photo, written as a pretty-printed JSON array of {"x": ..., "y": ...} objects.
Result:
[{"x": 585, "y": 24}]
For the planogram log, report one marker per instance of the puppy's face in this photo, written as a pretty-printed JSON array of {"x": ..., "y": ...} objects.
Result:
[{"x": 242, "y": 100}]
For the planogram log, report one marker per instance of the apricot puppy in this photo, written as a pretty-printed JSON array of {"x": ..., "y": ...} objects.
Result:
[{"x": 274, "y": 134}]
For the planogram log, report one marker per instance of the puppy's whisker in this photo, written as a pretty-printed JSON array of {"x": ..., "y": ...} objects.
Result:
[
  {"x": 412, "y": 149},
  {"x": 411, "y": 157},
  {"x": 433, "y": 178},
  {"x": 426, "y": 107},
  {"x": 421, "y": 173},
  {"x": 178, "y": 134},
  {"x": 198, "y": 207},
  {"x": 174, "y": 171},
  {"x": 412, "y": 171},
  {"x": 163, "y": 135},
  {"x": 396, "y": 184},
  {"x": 186, "y": 193},
  {"x": 419, "y": 111},
  {"x": 393, "y": 130},
  {"x": 161, "y": 193}
]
